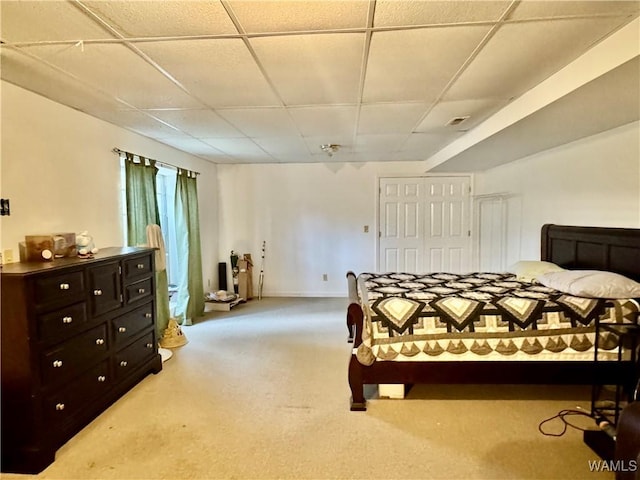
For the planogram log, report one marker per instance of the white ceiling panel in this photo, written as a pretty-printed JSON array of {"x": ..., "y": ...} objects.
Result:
[
  {"x": 295, "y": 16},
  {"x": 325, "y": 121},
  {"x": 220, "y": 72},
  {"x": 199, "y": 123},
  {"x": 390, "y": 117},
  {"x": 236, "y": 81},
  {"x": 416, "y": 65},
  {"x": 195, "y": 147},
  {"x": 419, "y": 12},
  {"x": 33, "y": 21},
  {"x": 477, "y": 110},
  {"x": 149, "y": 18},
  {"x": 521, "y": 55},
  {"x": 38, "y": 77},
  {"x": 116, "y": 69},
  {"x": 237, "y": 147},
  {"x": 281, "y": 146},
  {"x": 139, "y": 122},
  {"x": 313, "y": 69},
  {"x": 545, "y": 9},
  {"x": 378, "y": 143},
  {"x": 426, "y": 144},
  {"x": 260, "y": 122}
]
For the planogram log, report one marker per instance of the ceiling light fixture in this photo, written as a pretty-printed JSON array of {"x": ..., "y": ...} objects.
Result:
[{"x": 330, "y": 148}]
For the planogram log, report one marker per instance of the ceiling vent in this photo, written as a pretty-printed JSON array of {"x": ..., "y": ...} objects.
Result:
[{"x": 455, "y": 121}]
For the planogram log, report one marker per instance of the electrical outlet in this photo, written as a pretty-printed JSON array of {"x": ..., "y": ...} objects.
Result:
[
  {"x": 366, "y": 229},
  {"x": 208, "y": 282},
  {"x": 325, "y": 277},
  {"x": 7, "y": 256}
]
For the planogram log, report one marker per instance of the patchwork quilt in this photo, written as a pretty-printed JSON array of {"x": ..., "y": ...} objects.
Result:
[{"x": 481, "y": 316}]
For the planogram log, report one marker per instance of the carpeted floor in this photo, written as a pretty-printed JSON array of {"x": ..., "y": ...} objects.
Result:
[{"x": 261, "y": 393}]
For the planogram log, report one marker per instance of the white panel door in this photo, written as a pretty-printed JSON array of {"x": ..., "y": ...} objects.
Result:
[
  {"x": 424, "y": 224},
  {"x": 401, "y": 224}
]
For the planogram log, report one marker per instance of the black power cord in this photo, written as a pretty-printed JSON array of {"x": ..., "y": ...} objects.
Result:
[{"x": 562, "y": 416}]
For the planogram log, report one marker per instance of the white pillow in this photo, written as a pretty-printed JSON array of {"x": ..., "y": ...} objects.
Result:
[
  {"x": 528, "y": 270},
  {"x": 591, "y": 283}
]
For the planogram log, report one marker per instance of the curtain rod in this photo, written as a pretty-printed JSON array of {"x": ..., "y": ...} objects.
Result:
[{"x": 164, "y": 164}]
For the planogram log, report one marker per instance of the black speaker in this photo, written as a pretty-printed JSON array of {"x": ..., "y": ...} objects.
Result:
[{"x": 222, "y": 276}]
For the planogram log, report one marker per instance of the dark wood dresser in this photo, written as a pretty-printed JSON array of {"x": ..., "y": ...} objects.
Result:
[{"x": 76, "y": 335}]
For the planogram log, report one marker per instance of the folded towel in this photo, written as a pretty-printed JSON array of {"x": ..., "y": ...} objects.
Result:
[{"x": 155, "y": 240}]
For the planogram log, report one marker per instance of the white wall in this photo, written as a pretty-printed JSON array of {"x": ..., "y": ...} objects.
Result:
[
  {"x": 60, "y": 174},
  {"x": 312, "y": 217},
  {"x": 594, "y": 181}
]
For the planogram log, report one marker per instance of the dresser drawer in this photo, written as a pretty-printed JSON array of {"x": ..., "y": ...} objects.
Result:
[
  {"x": 135, "y": 268},
  {"x": 139, "y": 290},
  {"x": 64, "y": 404},
  {"x": 74, "y": 356},
  {"x": 61, "y": 322},
  {"x": 64, "y": 288},
  {"x": 132, "y": 323},
  {"x": 131, "y": 357}
]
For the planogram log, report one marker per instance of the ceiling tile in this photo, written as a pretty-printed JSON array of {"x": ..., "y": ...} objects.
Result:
[
  {"x": 325, "y": 121},
  {"x": 40, "y": 78},
  {"x": 477, "y": 111},
  {"x": 236, "y": 147},
  {"x": 33, "y": 21},
  {"x": 138, "y": 122},
  {"x": 221, "y": 72},
  {"x": 198, "y": 123},
  {"x": 521, "y": 55},
  {"x": 293, "y": 16},
  {"x": 281, "y": 145},
  {"x": 419, "y": 12},
  {"x": 426, "y": 144},
  {"x": 378, "y": 143},
  {"x": 194, "y": 146},
  {"x": 117, "y": 70},
  {"x": 260, "y": 122},
  {"x": 402, "y": 68},
  {"x": 149, "y": 18},
  {"x": 528, "y": 9},
  {"x": 390, "y": 117},
  {"x": 313, "y": 69}
]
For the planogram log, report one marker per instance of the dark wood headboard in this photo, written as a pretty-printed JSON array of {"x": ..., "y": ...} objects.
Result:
[{"x": 593, "y": 248}]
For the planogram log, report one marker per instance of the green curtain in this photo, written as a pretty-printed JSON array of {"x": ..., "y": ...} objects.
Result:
[
  {"x": 142, "y": 203},
  {"x": 190, "y": 295},
  {"x": 142, "y": 210}
]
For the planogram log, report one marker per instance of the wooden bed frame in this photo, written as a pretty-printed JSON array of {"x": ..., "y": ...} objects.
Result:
[{"x": 588, "y": 248}]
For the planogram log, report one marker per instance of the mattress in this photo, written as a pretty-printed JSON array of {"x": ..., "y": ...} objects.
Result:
[{"x": 481, "y": 316}]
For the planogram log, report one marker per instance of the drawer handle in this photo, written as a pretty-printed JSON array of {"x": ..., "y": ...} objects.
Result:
[
  {"x": 67, "y": 319},
  {"x": 99, "y": 341},
  {"x": 102, "y": 378},
  {"x": 140, "y": 266},
  {"x": 149, "y": 345},
  {"x": 122, "y": 329},
  {"x": 148, "y": 315},
  {"x": 57, "y": 363},
  {"x": 141, "y": 290},
  {"x": 64, "y": 286},
  {"x": 123, "y": 363},
  {"x": 97, "y": 293},
  {"x": 60, "y": 406}
]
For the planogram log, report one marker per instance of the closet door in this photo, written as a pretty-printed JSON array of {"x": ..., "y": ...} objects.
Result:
[
  {"x": 401, "y": 224},
  {"x": 424, "y": 224}
]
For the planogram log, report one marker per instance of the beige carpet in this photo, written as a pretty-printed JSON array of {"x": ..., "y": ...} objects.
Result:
[{"x": 261, "y": 393}]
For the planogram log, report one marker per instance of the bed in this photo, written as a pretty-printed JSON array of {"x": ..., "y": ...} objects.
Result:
[{"x": 494, "y": 327}]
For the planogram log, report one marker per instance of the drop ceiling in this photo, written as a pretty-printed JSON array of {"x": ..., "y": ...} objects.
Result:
[{"x": 238, "y": 81}]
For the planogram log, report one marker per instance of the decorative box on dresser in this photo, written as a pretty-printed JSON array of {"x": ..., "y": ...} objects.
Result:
[{"x": 76, "y": 335}]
